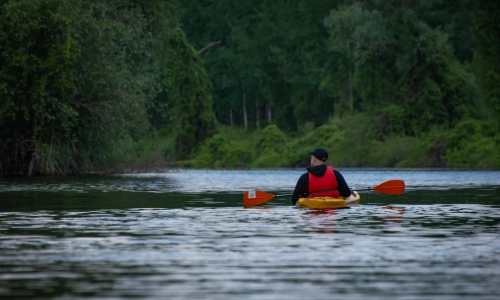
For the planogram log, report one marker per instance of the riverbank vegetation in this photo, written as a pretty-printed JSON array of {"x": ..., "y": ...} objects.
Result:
[
  {"x": 351, "y": 143},
  {"x": 121, "y": 85}
]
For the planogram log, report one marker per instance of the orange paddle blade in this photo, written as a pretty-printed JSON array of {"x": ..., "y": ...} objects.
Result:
[
  {"x": 252, "y": 198},
  {"x": 393, "y": 187}
]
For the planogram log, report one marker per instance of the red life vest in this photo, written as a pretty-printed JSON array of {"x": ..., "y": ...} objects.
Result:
[{"x": 324, "y": 186}]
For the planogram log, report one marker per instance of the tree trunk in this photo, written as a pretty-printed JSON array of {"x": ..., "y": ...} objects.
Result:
[
  {"x": 245, "y": 120},
  {"x": 351, "y": 100},
  {"x": 231, "y": 120},
  {"x": 269, "y": 113},
  {"x": 257, "y": 112}
]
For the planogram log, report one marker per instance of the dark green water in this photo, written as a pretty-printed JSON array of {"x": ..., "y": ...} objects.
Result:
[{"x": 185, "y": 235}]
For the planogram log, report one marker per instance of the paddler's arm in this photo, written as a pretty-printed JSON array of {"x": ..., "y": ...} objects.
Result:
[
  {"x": 301, "y": 188},
  {"x": 342, "y": 187}
]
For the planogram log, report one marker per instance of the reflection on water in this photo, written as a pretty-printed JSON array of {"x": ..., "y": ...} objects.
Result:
[
  {"x": 172, "y": 236},
  {"x": 212, "y": 181}
]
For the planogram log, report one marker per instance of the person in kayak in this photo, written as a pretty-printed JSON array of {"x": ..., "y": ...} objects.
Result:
[{"x": 320, "y": 180}]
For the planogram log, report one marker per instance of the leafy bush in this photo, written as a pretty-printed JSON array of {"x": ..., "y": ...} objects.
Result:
[{"x": 469, "y": 145}]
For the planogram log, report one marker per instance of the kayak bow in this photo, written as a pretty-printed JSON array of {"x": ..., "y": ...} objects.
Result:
[{"x": 329, "y": 202}]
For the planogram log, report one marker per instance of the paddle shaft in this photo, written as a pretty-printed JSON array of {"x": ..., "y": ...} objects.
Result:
[
  {"x": 365, "y": 189},
  {"x": 288, "y": 195},
  {"x": 284, "y": 195}
]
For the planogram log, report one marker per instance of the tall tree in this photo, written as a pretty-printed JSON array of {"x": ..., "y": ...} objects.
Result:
[
  {"x": 81, "y": 80},
  {"x": 274, "y": 51},
  {"x": 487, "y": 38},
  {"x": 404, "y": 70},
  {"x": 189, "y": 92}
]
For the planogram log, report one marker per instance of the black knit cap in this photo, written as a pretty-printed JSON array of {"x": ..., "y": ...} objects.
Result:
[{"x": 320, "y": 154}]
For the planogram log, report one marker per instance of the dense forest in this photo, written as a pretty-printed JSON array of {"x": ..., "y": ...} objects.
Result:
[{"x": 112, "y": 85}]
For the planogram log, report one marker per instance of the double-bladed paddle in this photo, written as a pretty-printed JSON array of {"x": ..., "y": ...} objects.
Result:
[{"x": 392, "y": 187}]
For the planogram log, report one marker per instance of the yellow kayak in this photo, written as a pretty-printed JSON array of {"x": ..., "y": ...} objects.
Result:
[{"x": 328, "y": 202}]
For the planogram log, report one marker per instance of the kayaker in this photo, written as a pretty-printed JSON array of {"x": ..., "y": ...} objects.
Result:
[{"x": 320, "y": 180}]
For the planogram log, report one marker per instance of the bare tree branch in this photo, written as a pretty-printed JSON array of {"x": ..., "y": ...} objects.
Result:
[{"x": 207, "y": 46}]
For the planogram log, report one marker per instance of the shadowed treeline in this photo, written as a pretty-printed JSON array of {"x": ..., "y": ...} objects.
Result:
[
  {"x": 379, "y": 83},
  {"x": 118, "y": 85}
]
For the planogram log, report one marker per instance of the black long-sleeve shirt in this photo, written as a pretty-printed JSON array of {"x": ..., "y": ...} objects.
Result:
[{"x": 302, "y": 187}]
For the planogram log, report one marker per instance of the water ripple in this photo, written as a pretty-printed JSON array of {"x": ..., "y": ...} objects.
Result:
[
  {"x": 186, "y": 235},
  {"x": 367, "y": 250},
  {"x": 203, "y": 181}
]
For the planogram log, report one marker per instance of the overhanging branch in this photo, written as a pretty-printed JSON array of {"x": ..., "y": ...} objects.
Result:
[{"x": 207, "y": 46}]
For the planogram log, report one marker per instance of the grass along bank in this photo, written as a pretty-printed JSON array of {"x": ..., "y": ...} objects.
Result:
[{"x": 351, "y": 142}]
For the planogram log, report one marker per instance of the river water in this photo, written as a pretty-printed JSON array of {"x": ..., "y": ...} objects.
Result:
[{"x": 185, "y": 235}]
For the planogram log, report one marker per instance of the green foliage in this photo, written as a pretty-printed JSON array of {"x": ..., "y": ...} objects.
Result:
[
  {"x": 392, "y": 71},
  {"x": 237, "y": 148},
  {"x": 81, "y": 81},
  {"x": 270, "y": 59},
  {"x": 406, "y": 71},
  {"x": 156, "y": 150},
  {"x": 487, "y": 61},
  {"x": 191, "y": 119},
  {"x": 36, "y": 79},
  {"x": 271, "y": 148},
  {"x": 455, "y": 20},
  {"x": 391, "y": 119},
  {"x": 351, "y": 142},
  {"x": 376, "y": 83},
  {"x": 271, "y": 139},
  {"x": 471, "y": 144},
  {"x": 397, "y": 152},
  {"x": 229, "y": 148},
  {"x": 326, "y": 136},
  {"x": 346, "y": 140}
]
